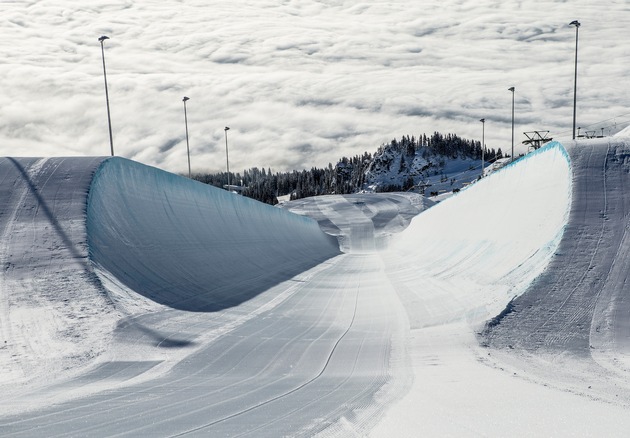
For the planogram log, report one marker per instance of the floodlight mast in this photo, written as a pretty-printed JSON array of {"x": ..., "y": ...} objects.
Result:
[
  {"x": 483, "y": 143},
  {"x": 109, "y": 119},
  {"x": 227, "y": 158},
  {"x": 577, "y": 27},
  {"x": 185, "y": 99},
  {"x": 512, "y": 90}
]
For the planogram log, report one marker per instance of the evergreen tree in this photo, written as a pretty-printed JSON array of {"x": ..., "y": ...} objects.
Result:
[{"x": 349, "y": 174}]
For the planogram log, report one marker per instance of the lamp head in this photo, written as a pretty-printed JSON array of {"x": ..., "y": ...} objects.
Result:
[
  {"x": 186, "y": 98},
  {"x": 103, "y": 38},
  {"x": 575, "y": 23},
  {"x": 483, "y": 120},
  {"x": 226, "y": 128},
  {"x": 511, "y": 89}
]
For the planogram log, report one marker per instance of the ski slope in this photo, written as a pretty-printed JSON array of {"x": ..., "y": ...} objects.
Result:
[
  {"x": 579, "y": 303},
  {"x": 521, "y": 346},
  {"x": 135, "y": 302}
]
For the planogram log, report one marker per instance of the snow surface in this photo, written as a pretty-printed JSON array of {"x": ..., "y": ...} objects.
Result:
[
  {"x": 623, "y": 133},
  {"x": 293, "y": 338},
  {"x": 204, "y": 261},
  {"x": 362, "y": 222},
  {"x": 48, "y": 298},
  {"x": 577, "y": 313}
]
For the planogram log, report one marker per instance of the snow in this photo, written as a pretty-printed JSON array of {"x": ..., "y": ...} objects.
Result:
[
  {"x": 575, "y": 314},
  {"x": 460, "y": 391},
  {"x": 562, "y": 388},
  {"x": 472, "y": 243},
  {"x": 362, "y": 222},
  {"x": 201, "y": 263},
  {"x": 137, "y": 302},
  {"x": 48, "y": 300},
  {"x": 623, "y": 133}
]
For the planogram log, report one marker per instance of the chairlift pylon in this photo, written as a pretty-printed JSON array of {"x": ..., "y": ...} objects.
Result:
[{"x": 535, "y": 139}]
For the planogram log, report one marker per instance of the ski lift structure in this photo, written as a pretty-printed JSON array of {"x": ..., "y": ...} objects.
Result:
[
  {"x": 535, "y": 139},
  {"x": 590, "y": 134}
]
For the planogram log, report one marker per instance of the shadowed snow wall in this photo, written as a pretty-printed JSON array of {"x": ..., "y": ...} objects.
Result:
[{"x": 191, "y": 246}]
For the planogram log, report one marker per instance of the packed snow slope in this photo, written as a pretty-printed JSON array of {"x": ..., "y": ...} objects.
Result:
[
  {"x": 580, "y": 306},
  {"x": 363, "y": 222},
  {"x": 581, "y": 302},
  {"x": 311, "y": 350},
  {"x": 518, "y": 307},
  {"x": 191, "y": 246},
  {"x": 466, "y": 257},
  {"x": 49, "y": 293}
]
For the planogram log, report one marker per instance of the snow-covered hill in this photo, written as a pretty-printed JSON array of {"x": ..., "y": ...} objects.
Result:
[{"x": 422, "y": 169}]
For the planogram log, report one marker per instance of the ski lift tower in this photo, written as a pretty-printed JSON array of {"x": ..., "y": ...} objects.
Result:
[{"x": 535, "y": 139}]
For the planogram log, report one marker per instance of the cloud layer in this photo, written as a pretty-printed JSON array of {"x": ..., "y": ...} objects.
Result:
[{"x": 300, "y": 82}]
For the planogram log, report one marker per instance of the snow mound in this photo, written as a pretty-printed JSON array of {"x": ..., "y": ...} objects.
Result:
[
  {"x": 363, "y": 222},
  {"x": 191, "y": 246}
]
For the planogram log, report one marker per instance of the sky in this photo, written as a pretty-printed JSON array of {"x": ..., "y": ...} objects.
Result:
[{"x": 300, "y": 83}]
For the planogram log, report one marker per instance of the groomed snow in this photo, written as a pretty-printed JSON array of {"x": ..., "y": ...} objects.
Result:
[
  {"x": 191, "y": 246},
  {"x": 53, "y": 319},
  {"x": 224, "y": 315},
  {"x": 362, "y": 222},
  {"x": 216, "y": 315},
  {"x": 571, "y": 327},
  {"x": 494, "y": 240},
  {"x": 468, "y": 256}
]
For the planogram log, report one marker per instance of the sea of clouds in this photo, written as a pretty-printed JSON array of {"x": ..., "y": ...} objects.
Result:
[{"x": 300, "y": 82}]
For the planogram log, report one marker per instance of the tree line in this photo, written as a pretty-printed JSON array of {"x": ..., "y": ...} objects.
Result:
[{"x": 349, "y": 174}]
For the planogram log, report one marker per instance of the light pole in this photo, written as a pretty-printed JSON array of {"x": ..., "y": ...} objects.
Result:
[
  {"x": 483, "y": 143},
  {"x": 512, "y": 90},
  {"x": 227, "y": 158},
  {"x": 186, "y": 123},
  {"x": 577, "y": 26},
  {"x": 109, "y": 119}
]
